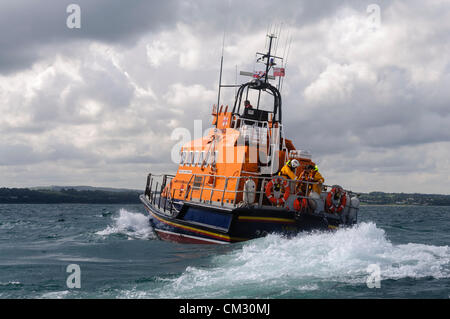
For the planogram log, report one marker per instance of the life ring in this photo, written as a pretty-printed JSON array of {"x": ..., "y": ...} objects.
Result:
[
  {"x": 301, "y": 204},
  {"x": 270, "y": 194},
  {"x": 336, "y": 208}
]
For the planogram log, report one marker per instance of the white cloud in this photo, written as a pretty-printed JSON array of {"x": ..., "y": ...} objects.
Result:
[
  {"x": 182, "y": 96},
  {"x": 337, "y": 83},
  {"x": 159, "y": 52}
]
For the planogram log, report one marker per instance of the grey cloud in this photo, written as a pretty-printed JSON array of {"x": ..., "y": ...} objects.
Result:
[
  {"x": 22, "y": 154},
  {"x": 69, "y": 152},
  {"x": 108, "y": 86},
  {"x": 18, "y": 154},
  {"x": 137, "y": 159},
  {"x": 29, "y": 30},
  {"x": 237, "y": 16}
]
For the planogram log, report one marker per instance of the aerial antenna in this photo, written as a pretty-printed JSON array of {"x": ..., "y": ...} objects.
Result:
[
  {"x": 269, "y": 26},
  {"x": 288, "y": 34},
  {"x": 221, "y": 59},
  {"x": 271, "y": 37},
  {"x": 278, "y": 38},
  {"x": 286, "y": 62},
  {"x": 221, "y": 68},
  {"x": 235, "y": 81}
]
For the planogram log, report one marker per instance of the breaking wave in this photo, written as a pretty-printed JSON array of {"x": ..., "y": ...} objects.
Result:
[
  {"x": 133, "y": 225},
  {"x": 286, "y": 268}
]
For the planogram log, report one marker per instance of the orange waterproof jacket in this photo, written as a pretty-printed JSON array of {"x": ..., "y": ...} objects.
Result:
[{"x": 315, "y": 177}]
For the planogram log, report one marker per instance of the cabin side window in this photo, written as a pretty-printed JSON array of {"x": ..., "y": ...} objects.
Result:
[
  {"x": 189, "y": 159},
  {"x": 207, "y": 158},
  {"x": 182, "y": 158},
  {"x": 201, "y": 158},
  {"x": 195, "y": 160},
  {"x": 215, "y": 157}
]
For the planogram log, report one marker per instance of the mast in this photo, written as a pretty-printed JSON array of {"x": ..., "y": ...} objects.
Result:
[
  {"x": 271, "y": 37},
  {"x": 220, "y": 74}
]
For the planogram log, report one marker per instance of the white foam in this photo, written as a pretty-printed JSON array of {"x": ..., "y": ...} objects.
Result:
[
  {"x": 306, "y": 261},
  {"x": 55, "y": 294},
  {"x": 134, "y": 225},
  {"x": 10, "y": 283}
]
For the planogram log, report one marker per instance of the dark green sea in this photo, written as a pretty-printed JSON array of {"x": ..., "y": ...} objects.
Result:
[{"x": 120, "y": 257}]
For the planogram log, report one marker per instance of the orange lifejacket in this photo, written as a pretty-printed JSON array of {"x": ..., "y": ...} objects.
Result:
[
  {"x": 315, "y": 178},
  {"x": 304, "y": 179}
]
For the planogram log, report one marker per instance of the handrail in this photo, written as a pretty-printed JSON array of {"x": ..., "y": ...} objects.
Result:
[
  {"x": 224, "y": 190},
  {"x": 235, "y": 118},
  {"x": 190, "y": 188}
]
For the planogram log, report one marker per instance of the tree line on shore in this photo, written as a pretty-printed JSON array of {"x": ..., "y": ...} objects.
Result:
[
  {"x": 67, "y": 195},
  {"x": 97, "y": 196}
]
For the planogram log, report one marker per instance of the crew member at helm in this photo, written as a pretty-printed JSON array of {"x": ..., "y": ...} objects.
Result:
[
  {"x": 248, "y": 105},
  {"x": 288, "y": 170}
]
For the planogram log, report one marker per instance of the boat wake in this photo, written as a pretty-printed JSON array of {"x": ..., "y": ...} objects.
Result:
[
  {"x": 132, "y": 225},
  {"x": 288, "y": 268}
]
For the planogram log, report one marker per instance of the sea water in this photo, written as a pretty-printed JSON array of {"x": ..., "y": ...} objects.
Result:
[{"x": 119, "y": 256}]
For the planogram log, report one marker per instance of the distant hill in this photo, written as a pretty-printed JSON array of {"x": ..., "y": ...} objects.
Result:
[
  {"x": 380, "y": 198},
  {"x": 57, "y": 195},
  {"x": 104, "y": 195},
  {"x": 84, "y": 188}
]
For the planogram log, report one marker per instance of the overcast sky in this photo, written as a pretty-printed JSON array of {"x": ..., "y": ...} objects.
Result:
[{"x": 368, "y": 97}]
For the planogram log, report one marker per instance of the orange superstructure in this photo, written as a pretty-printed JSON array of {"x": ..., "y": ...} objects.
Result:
[{"x": 230, "y": 151}]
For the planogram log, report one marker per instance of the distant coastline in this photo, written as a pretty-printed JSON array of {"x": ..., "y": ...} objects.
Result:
[
  {"x": 404, "y": 199},
  {"x": 100, "y": 195},
  {"x": 67, "y": 195}
]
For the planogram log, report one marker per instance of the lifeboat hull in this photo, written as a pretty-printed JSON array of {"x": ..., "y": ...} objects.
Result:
[{"x": 203, "y": 224}]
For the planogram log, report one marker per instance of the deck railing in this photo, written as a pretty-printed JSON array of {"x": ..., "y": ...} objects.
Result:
[{"x": 163, "y": 193}]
